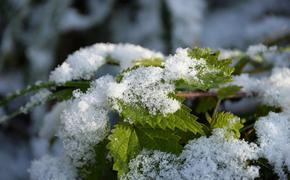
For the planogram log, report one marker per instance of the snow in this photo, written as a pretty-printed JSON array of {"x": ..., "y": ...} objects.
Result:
[
  {"x": 153, "y": 165},
  {"x": 37, "y": 99},
  {"x": 273, "y": 90},
  {"x": 218, "y": 158},
  {"x": 144, "y": 87},
  {"x": 273, "y": 133},
  {"x": 51, "y": 121},
  {"x": 273, "y": 130},
  {"x": 85, "y": 122},
  {"x": 84, "y": 63},
  {"x": 181, "y": 66},
  {"x": 215, "y": 157},
  {"x": 48, "y": 168}
]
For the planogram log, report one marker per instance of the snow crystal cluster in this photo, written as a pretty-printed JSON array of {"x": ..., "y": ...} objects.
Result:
[
  {"x": 37, "y": 99},
  {"x": 150, "y": 86},
  {"x": 144, "y": 87},
  {"x": 153, "y": 165},
  {"x": 218, "y": 158},
  {"x": 273, "y": 90},
  {"x": 274, "y": 138},
  {"x": 254, "y": 50},
  {"x": 85, "y": 122},
  {"x": 215, "y": 157},
  {"x": 48, "y": 168},
  {"x": 51, "y": 121},
  {"x": 85, "y": 62},
  {"x": 273, "y": 130},
  {"x": 181, "y": 66},
  {"x": 271, "y": 55}
]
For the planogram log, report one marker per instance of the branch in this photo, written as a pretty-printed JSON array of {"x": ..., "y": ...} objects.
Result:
[
  {"x": 193, "y": 95},
  {"x": 280, "y": 39}
]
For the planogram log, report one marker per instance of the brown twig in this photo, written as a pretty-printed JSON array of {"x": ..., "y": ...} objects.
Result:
[{"x": 193, "y": 95}]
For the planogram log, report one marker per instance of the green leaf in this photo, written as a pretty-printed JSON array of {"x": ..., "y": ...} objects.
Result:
[
  {"x": 126, "y": 141},
  {"x": 181, "y": 119},
  {"x": 29, "y": 89},
  {"x": 206, "y": 104},
  {"x": 228, "y": 91},
  {"x": 102, "y": 169},
  {"x": 263, "y": 110},
  {"x": 158, "y": 62},
  {"x": 228, "y": 121},
  {"x": 244, "y": 60},
  {"x": 123, "y": 146},
  {"x": 159, "y": 139},
  {"x": 138, "y": 62},
  {"x": 214, "y": 73},
  {"x": 44, "y": 85},
  {"x": 63, "y": 94}
]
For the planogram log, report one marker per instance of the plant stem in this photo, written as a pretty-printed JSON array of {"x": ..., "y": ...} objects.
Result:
[
  {"x": 193, "y": 95},
  {"x": 28, "y": 89},
  {"x": 216, "y": 107}
]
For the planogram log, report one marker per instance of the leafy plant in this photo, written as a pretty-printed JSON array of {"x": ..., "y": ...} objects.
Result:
[{"x": 150, "y": 97}]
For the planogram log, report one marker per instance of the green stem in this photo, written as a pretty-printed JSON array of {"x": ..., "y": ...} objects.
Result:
[
  {"x": 216, "y": 107},
  {"x": 247, "y": 127},
  {"x": 20, "y": 110},
  {"x": 44, "y": 85},
  {"x": 27, "y": 90}
]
